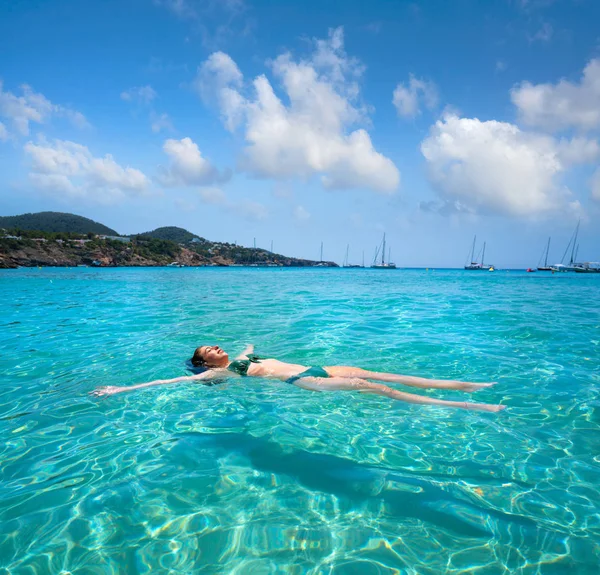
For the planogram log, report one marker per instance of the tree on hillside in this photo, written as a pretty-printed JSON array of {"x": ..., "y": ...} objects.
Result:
[
  {"x": 171, "y": 233},
  {"x": 57, "y": 222}
]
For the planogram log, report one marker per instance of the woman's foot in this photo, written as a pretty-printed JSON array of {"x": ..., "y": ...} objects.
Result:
[
  {"x": 484, "y": 407},
  {"x": 108, "y": 390},
  {"x": 470, "y": 387}
]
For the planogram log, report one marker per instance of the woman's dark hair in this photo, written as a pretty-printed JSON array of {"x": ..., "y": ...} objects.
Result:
[{"x": 197, "y": 359}]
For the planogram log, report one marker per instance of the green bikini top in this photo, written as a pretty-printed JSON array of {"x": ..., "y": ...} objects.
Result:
[{"x": 240, "y": 366}]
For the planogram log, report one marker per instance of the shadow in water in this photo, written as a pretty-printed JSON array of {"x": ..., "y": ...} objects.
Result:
[{"x": 403, "y": 495}]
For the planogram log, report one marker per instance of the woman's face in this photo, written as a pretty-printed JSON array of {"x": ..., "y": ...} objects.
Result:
[{"x": 213, "y": 355}]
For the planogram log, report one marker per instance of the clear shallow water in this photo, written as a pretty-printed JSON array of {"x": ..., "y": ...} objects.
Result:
[{"x": 262, "y": 477}]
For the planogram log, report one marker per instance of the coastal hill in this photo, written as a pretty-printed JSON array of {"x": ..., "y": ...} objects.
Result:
[
  {"x": 47, "y": 239},
  {"x": 57, "y": 222},
  {"x": 171, "y": 233}
]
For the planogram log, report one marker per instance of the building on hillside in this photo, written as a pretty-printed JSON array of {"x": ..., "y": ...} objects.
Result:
[{"x": 116, "y": 238}]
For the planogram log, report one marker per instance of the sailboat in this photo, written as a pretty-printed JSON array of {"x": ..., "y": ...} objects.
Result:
[
  {"x": 475, "y": 265},
  {"x": 321, "y": 263},
  {"x": 588, "y": 268},
  {"x": 346, "y": 264},
  {"x": 383, "y": 265},
  {"x": 572, "y": 265},
  {"x": 546, "y": 267}
]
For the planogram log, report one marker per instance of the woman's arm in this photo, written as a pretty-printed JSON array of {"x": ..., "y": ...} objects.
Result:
[
  {"x": 204, "y": 376},
  {"x": 249, "y": 349}
]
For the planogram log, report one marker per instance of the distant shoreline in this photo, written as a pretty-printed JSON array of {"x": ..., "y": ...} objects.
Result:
[{"x": 246, "y": 267}]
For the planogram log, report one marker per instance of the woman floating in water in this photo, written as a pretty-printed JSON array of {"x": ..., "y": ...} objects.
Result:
[{"x": 333, "y": 378}]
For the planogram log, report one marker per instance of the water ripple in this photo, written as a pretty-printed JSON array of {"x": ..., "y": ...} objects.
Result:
[{"x": 261, "y": 477}]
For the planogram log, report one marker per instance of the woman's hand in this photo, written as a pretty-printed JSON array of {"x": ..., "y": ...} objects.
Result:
[
  {"x": 249, "y": 349},
  {"x": 108, "y": 390}
]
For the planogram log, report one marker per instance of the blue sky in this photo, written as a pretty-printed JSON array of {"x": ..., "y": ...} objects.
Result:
[{"x": 302, "y": 122}]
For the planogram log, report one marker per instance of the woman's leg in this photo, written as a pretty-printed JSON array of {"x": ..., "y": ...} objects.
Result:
[
  {"x": 421, "y": 382},
  {"x": 356, "y": 384}
]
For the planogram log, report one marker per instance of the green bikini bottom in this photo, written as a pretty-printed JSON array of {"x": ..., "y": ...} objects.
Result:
[{"x": 310, "y": 372}]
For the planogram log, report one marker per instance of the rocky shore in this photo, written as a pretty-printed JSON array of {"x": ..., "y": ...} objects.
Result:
[{"x": 31, "y": 253}]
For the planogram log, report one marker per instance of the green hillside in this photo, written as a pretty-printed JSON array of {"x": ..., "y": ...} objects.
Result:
[
  {"x": 55, "y": 222},
  {"x": 55, "y": 239},
  {"x": 171, "y": 233}
]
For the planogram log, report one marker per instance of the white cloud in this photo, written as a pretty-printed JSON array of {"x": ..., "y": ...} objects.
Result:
[
  {"x": 3, "y": 132},
  {"x": 217, "y": 72},
  {"x": 161, "y": 122},
  {"x": 595, "y": 185},
  {"x": 70, "y": 169},
  {"x": 105, "y": 172},
  {"x": 578, "y": 150},
  {"x": 494, "y": 166},
  {"x": 34, "y": 107},
  {"x": 56, "y": 183},
  {"x": 218, "y": 81},
  {"x": 301, "y": 214},
  {"x": 140, "y": 94},
  {"x": 563, "y": 105},
  {"x": 312, "y": 134},
  {"x": 188, "y": 167},
  {"x": 407, "y": 97},
  {"x": 64, "y": 158}
]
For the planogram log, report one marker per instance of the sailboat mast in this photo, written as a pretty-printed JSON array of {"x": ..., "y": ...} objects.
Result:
[
  {"x": 574, "y": 242},
  {"x": 347, "y": 249},
  {"x": 483, "y": 255},
  {"x": 473, "y": 249},
  {"x": 383, "y": 251},
  {"x": 566, "y": 250},
  {"x": 547, "y": 250}
]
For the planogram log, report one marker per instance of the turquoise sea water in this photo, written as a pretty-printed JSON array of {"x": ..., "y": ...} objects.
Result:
[{"x": 260, "y": 477}]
